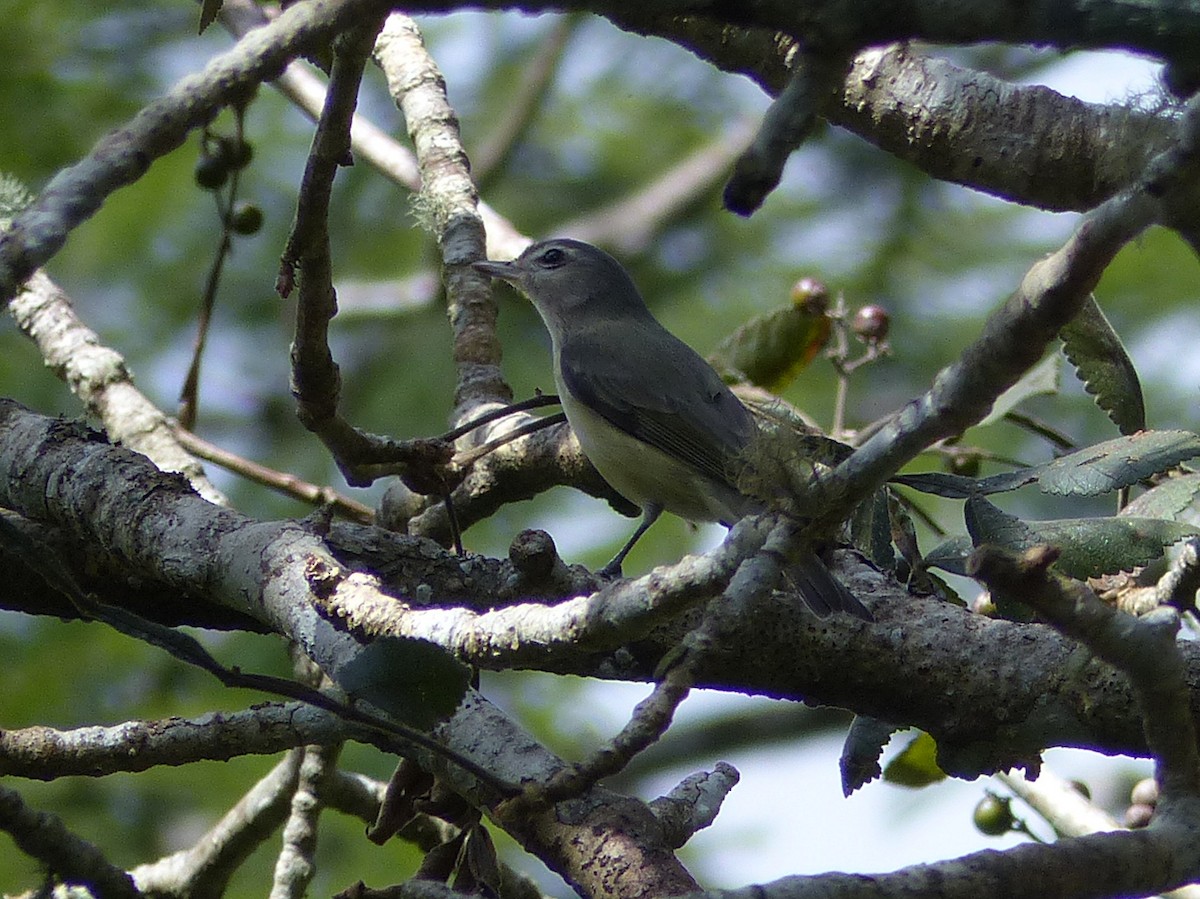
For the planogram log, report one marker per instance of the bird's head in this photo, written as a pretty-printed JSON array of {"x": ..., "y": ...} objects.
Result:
[{"x": 568, "y": 277}]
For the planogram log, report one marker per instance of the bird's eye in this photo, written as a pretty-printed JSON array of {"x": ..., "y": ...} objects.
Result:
[{"x": 553, "y": 257}]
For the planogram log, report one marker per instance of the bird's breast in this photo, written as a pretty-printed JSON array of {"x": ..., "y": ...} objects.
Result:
[{"x": 644, "y": 474}]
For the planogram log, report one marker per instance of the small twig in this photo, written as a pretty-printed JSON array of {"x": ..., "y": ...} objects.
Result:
[
  {"x": 1042, "y": 429},
  {"x": 534, "y": 402},
  {"x": 285, "y": 483},
  {"x": 649, "y": 721},
  {"x": 694, "y": 802},
  {"x": 449, "y": 197},
  {"x": 205, "y": 867},
  {"x": 468, "y": 457},
  {"x": 316, "y": 381},
  {"x": 296, "y": 863},
  {"x": 189, "y": 394}
]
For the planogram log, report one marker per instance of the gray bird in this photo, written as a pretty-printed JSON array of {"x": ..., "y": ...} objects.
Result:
[{"x": 653, "y": 417}]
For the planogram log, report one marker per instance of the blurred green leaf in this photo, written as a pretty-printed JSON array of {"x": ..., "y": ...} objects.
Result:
[
  {"x": 416, "y": 681},
  {"x": 1041, "y": 380},
  {"x": 771, "y": 349},
  {"x": 916, "y": 765}
]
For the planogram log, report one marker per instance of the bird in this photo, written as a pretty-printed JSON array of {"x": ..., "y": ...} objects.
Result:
[{"x": 655, "y": 420}]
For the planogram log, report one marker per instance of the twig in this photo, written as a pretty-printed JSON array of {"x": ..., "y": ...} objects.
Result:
[
  {"x": 189, "y": 394},
  {"x": 205, "y": 868},
  {"x": 316, "y": 382},
  {"x": 694, "y": 802},
  {"x": 43, "y": 753},
  {"x": 296, "y": 864},
  {"x": 285, "y": 483}
]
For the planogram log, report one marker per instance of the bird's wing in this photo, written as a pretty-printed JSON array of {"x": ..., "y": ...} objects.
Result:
[{"x": 672, "y": 401}]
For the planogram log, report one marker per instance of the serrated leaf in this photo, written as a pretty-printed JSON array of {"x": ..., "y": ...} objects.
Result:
[
  {"x": 916, "y": 764},
  {"x": 939, "y": 483},
  {"x": 1174, "y": 499},
  {"x": 864, "y": 744},
  {"x": 414, "y": 680},
  {"x": 771, "y": 349},
  {"x": 951, "y": 555},
  {"x": 1101, "y": 363},
  {"x": 1117, "y": 463},
  {"x": 1093, "y": 471},
  {"x": 958, "y": 486},
  {"x": 482, "y": 862},
  {"x": 209, "y": 9},
  {"x": 871, "y": 531},
  {"x": 1090, "y": 547},
  {"x": 1040, "y": 380},
  {"x": 988, "y": 523}
]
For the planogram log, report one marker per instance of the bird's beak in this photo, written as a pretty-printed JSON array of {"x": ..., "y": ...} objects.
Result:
[{"x": 505, "y": 271}]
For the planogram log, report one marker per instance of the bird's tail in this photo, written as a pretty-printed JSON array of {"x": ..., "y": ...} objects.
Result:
[{"x": 822, "y": 592}]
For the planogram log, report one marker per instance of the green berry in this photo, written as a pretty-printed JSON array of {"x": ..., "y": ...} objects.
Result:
[
  {"x": 238, "y": 152},
  {"x": 246, "y": 218},
  {"x": 211, "y": 171},
  {"x": 993, "y": 816}
]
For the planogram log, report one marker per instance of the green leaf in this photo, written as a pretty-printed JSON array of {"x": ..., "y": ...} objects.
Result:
[
  {"x": 958, "y": 486},
  {"x": 951, "y": 555},
  {"x": 1089, "y": 547},
  {"x": 916, "y": 765},
  {"x": 1175, "y": 499},
  {"x": 771, "y": 349},
  {"x": 1040, "y": 380},
  {"x": 988, "y": 523},
  {"x": 1101, "y": 363},
  {"x": 1117, "y": 463},
  {"x": 871, "y": 531},
  {"x": 414, "y": 680},
  {"x": 1092, "y": 471}
]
